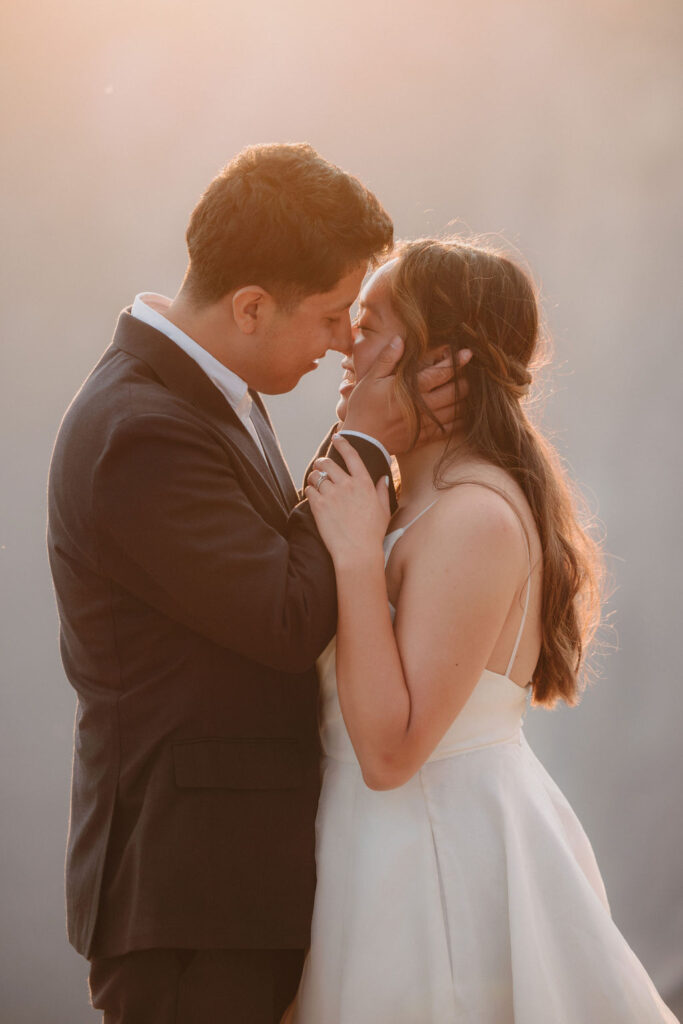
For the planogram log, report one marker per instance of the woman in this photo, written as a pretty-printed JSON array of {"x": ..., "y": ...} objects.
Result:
[{"x": 455, "y": 882}]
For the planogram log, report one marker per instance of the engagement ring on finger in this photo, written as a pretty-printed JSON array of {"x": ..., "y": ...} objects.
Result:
[{"x": 323, "y": 476}]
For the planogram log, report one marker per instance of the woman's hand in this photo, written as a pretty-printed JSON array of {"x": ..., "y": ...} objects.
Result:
[{"x": 350, "y": 512}]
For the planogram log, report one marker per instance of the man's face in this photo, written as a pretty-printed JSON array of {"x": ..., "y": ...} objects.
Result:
[
  {"x": 376, "y": 325},
  {"x": 295, "y": 340}
]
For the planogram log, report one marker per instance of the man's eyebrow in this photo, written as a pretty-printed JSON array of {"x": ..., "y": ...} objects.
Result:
[{"x": 345, "y": 305}]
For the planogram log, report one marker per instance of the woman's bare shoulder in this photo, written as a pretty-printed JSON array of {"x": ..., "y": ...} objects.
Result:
[
  {"x": 474, "y": 510},
  {"x": 468, "y": 553},
  {"x": 490, "y": 491},
  {"x": 479, "y": 519}
]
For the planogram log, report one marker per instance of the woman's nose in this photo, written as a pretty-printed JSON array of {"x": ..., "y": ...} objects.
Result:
[{"x": 347, "y": 362}]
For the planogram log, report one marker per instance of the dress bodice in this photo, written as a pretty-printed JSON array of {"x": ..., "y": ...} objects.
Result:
[{"x": 492, "y": 714}]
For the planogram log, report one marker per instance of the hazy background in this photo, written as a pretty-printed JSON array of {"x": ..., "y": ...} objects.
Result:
[{"x": 556, "y": 124}]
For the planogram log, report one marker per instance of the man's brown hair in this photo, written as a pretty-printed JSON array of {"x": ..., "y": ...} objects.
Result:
[{"x": 282, "y": 217}]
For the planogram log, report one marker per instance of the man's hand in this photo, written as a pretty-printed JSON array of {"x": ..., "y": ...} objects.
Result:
[{"x": 374, "y": 410}]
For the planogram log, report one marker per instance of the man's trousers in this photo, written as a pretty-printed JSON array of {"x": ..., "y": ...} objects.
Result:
[{"x": 178, "y": 986}]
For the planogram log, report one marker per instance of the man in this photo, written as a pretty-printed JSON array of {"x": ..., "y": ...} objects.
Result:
[{"x": 195, "y": 594}]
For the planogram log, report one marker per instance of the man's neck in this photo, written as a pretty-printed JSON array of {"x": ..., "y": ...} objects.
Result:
[{"x": 206, "y": 325}]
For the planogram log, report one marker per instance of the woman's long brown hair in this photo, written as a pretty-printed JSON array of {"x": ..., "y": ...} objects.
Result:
[{"x": 461, "y": 295}]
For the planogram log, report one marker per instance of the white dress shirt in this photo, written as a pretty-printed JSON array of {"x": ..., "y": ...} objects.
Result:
[{"x": 147, "y": 307}]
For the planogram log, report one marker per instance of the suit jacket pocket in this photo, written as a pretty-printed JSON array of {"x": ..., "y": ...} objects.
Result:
[{"x": 238, "y": 764}]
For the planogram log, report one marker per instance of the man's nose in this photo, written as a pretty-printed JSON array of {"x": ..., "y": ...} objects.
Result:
[{"x": 343, "y": 338}]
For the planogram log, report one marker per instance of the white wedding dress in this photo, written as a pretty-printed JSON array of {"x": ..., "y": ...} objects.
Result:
[{"x": 470, "y": 894}]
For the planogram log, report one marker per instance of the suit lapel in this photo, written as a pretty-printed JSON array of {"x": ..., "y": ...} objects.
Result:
[{"x": 181, "y": 375}]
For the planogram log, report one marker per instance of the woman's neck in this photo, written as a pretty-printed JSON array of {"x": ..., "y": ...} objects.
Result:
[{"x": 417, "y": 471}]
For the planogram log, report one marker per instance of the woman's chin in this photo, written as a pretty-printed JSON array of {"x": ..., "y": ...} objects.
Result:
[{"x": 342, "y": 406}]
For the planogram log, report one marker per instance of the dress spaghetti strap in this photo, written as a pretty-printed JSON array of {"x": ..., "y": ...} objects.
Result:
[
  {"x": 419, "y": 515},
  {"x": 394, "y": 535}
]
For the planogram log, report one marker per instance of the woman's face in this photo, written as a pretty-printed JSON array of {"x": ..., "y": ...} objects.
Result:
[{"x": 376, "y": 325}]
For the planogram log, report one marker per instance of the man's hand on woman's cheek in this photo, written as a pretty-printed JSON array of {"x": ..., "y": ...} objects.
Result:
[
  {"x": 374, "y": 410},
  {"x": 443, "y": 396}
]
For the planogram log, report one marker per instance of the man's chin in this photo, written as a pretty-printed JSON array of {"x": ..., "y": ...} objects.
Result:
[{"x": 284, "y": 385}]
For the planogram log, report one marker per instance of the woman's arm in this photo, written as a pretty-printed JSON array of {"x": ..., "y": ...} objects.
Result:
[{"x": 400, "y": 688}]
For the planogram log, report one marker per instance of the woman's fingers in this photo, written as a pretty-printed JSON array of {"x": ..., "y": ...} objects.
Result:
[
  {"x": 314, "y": 496},
  {"x": 353, "y": 461},
  {"x": 334, "y": 471},
  {"x": 319, "y": 480}
]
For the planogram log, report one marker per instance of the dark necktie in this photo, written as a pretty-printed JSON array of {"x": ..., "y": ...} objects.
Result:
[{"x": 274, "y": 458}]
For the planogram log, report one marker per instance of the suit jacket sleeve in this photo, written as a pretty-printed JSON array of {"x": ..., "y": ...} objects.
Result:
[
  {"x": 322, "y": 450},
  {"x": 372, "y": 457},
  {"x": 175, "y": 527}
]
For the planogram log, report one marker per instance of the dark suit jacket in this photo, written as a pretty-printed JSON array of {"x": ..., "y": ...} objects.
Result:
[{"x": 194, "y": 596}]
